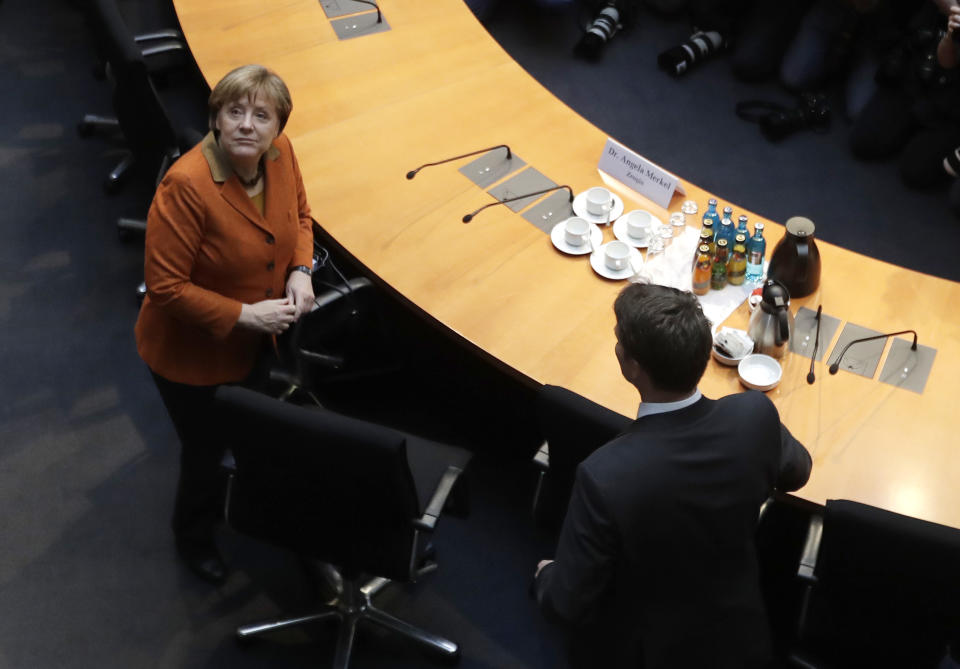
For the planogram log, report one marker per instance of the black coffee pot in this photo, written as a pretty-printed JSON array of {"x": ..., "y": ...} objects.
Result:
[{"x": 796, "y": 261}]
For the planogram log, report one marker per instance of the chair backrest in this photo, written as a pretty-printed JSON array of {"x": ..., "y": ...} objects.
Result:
[
  {"x": 574, "y": 427},
  {"x": 887, "y": 590},
  {"x": 325, "y": 485},
  {"x": 142, "y": 117}
]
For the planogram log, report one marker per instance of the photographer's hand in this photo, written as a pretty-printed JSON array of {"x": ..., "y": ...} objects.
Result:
[{"x": 947, "y": 48}]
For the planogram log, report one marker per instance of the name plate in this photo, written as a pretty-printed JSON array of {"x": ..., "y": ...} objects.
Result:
[{"x": 639, "y": 174}]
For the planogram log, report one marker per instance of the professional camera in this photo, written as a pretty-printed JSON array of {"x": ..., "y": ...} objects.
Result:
[
  {"x": 813, "y": 112},
  {"x": 700, "y": 46},
  {"x": 603, "y": 27},
  {"x": 777, "y": 121}
]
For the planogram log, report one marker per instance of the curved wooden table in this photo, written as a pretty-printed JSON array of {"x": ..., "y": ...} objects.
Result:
[{"x": 369, "y": 109}]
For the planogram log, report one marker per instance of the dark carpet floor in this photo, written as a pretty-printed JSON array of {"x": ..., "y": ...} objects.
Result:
[{"x": 88, "y": 574}]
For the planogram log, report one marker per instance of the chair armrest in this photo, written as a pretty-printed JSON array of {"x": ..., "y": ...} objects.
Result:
[
  {"x": 808, "y": 560},
  {"x": 330, "y": 296},
  {"x": 541, "y": 459},
  {"x": 132, "y": 224},
  {"x": 324, "y": 359},
  {"x": 168, "y": 33},
  {"x": 428, "y": 520},
  {"x": 162, "y": 47}
]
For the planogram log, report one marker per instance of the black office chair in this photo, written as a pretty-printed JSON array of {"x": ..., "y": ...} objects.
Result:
[
  {"x": 883, "y": 590},
  {"x": 151, "y": 139},
  {"x": 344, "y": 339},
  {"x": 343, "y": 491},
  {"x": 781, "y": 532},
  {"x": 573, "y": 427}
]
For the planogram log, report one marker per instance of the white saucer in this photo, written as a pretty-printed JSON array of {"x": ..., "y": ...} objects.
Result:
[
  {"x": 620, "y": 230},
  {"x": 600, "y": 267},
  {"x": 580, "y": 208},
  {"x": 558, "y": 239}
]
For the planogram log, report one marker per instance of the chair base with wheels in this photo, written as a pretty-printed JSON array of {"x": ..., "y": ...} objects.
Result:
[{"x": 352, "y": 607}]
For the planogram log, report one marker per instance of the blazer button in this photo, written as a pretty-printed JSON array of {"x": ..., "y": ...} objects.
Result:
[
  {"x": 270, "y": 266},
  {"x": 269, "y": 292},
  {"x": 270, "y": 239}
]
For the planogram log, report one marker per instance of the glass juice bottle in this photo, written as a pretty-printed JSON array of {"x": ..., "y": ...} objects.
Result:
[
  {"x": 709, "y": 226},
  {"x": 705, "y": 238},
  {"x": 742, "y": 227},
  {"x": 702, "y": 271},
  {"x": 718, "y": 277},
  {"x": 737, "y": 265},
  {"x": 756, "y": 250}
]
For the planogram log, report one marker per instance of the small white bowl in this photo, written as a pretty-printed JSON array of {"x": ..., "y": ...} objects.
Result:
[
  {"x": 724, "y": 360},
  {"x": 760, "y": 372}
]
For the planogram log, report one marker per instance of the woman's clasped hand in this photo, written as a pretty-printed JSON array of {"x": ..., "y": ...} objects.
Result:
[{"x": 269, "y": 316}]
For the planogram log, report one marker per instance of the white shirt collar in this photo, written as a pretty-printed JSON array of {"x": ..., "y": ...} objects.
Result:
[{"x": 650, "y": 408}]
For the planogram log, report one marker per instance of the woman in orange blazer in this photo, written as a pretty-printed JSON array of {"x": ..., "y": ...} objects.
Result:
[{"x": 228, "y": 259}]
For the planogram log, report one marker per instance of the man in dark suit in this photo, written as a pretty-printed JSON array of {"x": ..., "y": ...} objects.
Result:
[{"x": 656, "y": 565}]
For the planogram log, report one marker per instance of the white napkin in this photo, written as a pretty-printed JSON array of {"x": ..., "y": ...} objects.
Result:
[{"x": 675, "y": 268}]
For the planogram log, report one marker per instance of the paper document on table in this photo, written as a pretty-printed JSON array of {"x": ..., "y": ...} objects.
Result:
[{"x": 675, "y": 269}]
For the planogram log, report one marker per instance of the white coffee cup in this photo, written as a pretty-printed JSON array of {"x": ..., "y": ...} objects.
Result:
[
  {"x": 640, "y": 225},
  {"x": 575, "y": 231},
  {"x": 599, "y": 201},
  {"x": 616, "y": 255}
]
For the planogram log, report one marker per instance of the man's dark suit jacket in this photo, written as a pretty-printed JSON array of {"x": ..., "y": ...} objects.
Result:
[{"x": 656, "y": 555}]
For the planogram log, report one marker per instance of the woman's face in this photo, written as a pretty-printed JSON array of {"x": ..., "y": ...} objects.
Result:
[{"x": 247, "y": 127}]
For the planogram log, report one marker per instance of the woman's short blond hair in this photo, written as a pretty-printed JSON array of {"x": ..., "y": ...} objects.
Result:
[{"x": 246, "y": 82}]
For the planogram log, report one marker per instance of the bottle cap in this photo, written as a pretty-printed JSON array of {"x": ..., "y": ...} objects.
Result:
[{"x": 721, "y": 242}]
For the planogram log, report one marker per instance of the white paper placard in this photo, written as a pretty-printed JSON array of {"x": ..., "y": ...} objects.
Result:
[{"x": 638, "y": 174}]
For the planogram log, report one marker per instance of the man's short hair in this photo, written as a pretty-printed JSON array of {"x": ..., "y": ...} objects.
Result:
[{"x": 666, "y": 332}]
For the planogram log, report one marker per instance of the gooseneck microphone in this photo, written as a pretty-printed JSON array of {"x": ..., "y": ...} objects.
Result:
[
  {"x": 816, "y": 344},
  {"x": 413, "y": 173},
  {"x": 836, "y": 365},
  {"x": 469, "y": 217},
  {"x": 374, "y": 5}
]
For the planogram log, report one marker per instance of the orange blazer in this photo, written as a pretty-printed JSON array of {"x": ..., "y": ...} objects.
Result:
[{"x": 208, "y": 250}]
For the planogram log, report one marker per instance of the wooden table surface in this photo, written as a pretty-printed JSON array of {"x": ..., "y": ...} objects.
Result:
[{"x": 436, "y": 85}]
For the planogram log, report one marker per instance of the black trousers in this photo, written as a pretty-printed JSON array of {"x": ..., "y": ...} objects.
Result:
[{"x": 201, "y": 486}]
